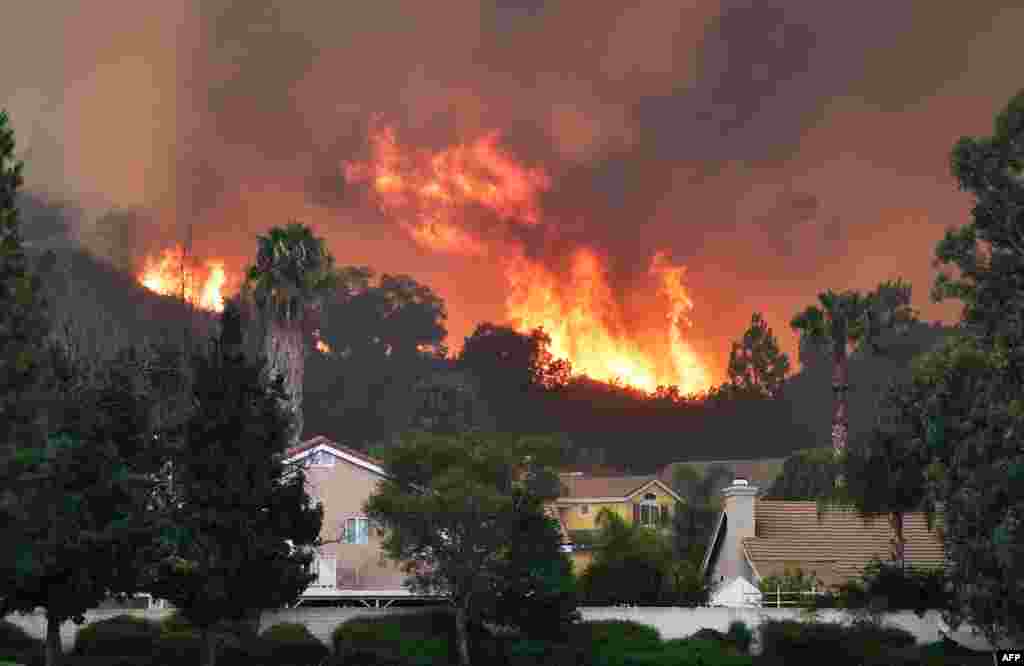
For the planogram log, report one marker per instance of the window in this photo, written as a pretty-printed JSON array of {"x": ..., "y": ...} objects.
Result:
[
  {"x": 355, "y": 531},
  {"x": 647, "y": 512},
  {"x": 584, "y": 509}
]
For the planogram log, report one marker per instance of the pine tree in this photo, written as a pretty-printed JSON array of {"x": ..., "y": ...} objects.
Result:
[{"x": 23, "y": 320}]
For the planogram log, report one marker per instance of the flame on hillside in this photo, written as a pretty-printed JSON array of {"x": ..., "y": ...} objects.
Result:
[
  {"x": 432, "y": 194},
  {"x": 172, "y": 274}
]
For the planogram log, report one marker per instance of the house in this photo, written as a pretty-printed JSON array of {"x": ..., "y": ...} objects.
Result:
[
  {"x": 351, "y": 564},
  {"x": 756, "y": 538},
  {"x": 636, "y": 499}
]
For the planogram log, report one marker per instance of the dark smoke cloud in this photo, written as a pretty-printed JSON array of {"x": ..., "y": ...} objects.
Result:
[{"x": 778, "y": 148}]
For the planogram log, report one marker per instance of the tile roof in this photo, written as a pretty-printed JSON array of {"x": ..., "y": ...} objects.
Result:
[
  {"x": 320, "y": 439},
  {"x": 603, "y": 486},
  {"x": 839, "y": 546}
]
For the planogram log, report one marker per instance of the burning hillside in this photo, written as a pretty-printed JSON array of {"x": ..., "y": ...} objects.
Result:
[
  {"x": 438, "y": 198},
  {"x": 472, "y": 200},
  {"x": 173, "y": 274}
]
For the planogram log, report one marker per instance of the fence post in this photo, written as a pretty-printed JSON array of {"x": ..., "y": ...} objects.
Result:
[{"x": 778, "y": 596}]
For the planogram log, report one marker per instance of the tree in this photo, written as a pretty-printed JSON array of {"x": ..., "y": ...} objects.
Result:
[
  {"x": 756, "y": 364},
  {"x": 452, "y": 507},
  {"x": 385, "y": 336},
  {"x": 965, "y": 400},
  {"x": 240, "y": 533},
  {"x": 511, "y": 366},
  {"x": 693, "y": 519},
  {"x": 77, "y": 519},
  {"x": 293, "y": 272},
  {"x": 24, "y": 324},
  {"x": 536, "y": 590},
  {"x": 851, "y": 318},
  {"x": 809, "y": 474},
  {"x": 635, "y": 564},
  {"x": 885, "y": 475}
]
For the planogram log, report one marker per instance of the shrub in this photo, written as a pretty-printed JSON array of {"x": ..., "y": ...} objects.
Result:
[
  {"x": 678, "y": 652},
  {"x": 385, "y": 633},
  {"x": 175, "y": 623},
  {"x": 123, "y": 635},
  {"x": 740, "y": 635},
  {"x": 176, "y": 648},
  {"x": 615, "y": 636},
  {"x": 797, "y": 642},
  {"x": 291, "y": 643}
]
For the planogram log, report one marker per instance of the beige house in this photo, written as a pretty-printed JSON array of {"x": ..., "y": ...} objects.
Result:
[{"x": 350, "y": 564}]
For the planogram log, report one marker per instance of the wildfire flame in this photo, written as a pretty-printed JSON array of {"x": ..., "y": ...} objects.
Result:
[
  {"x": 432, "y": 194},
  {"x": 171, "y": 274}
]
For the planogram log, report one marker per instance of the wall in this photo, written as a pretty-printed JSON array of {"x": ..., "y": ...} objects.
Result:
[
  {"x": 342, "y": 489},
  {"x": 670, "y": 622}
]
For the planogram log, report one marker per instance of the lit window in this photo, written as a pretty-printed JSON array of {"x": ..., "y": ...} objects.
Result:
[{"x": 355, "y": 531}]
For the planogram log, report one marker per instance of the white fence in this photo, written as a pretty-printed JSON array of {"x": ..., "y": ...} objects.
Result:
[{"x": 671, "y": 622}]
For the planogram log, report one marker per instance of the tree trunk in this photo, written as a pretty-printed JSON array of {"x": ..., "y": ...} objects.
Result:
[
  {"x": 840, "y": 379},
  {"x": 209, "y": 647},
  {"x": 899, "y": 544},
  {"x": 285, "y": 350},
  {"x": 53, "y": 645},
  {"x": 461, "y": 631}
]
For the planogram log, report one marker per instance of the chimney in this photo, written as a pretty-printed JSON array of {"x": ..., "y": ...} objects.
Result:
[{"x": 738, "y": 505}]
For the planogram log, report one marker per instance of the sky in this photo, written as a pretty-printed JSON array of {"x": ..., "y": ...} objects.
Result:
[{"x": 775, "y": 148}]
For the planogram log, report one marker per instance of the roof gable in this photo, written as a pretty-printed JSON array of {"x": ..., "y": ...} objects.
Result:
[{"x": 321, "y": 444}]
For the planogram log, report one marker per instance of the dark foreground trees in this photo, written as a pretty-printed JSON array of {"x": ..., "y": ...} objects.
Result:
[
  {"x": 462, "y": 512},
  {"x": 240, "y": 536}
]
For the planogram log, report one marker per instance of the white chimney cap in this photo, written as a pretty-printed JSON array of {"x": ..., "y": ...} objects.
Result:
[{"x": 740, "y": 482}]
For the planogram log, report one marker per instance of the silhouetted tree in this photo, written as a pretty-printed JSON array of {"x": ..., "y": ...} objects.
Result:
[{"x": 756, "y": 364}]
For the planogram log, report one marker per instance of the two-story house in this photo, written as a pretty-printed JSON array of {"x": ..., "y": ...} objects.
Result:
[
  {"x": 642, "y": 500},
  {"x": 351, "y": 564}
]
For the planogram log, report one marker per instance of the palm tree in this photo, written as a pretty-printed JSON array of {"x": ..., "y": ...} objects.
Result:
[
  {"x": 293, "y": 274},
  {"x": 851, "y": 319}
]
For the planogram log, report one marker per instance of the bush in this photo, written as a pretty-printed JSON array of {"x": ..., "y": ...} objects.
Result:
[
  {"x": 123, "y": 635},
  {"x": 615, "y": 637},
  {"x": 177, "y": 648},
  {"x": 176, "y": 623},
  {"x": 291, "y": 643},
  {"x": 678, "y": 652},
  {"x": 740, "y": 635},
  {"x": 797, "y": 642},
  {"x": 386, "y": 634}
]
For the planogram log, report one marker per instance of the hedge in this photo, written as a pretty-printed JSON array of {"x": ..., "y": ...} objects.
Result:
[{"x": 123, "y": 635}]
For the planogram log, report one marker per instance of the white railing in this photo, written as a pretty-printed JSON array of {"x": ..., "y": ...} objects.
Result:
[{"x": 778, "y": 598}]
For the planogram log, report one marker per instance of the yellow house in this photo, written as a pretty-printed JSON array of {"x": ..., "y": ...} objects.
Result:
[{"x": 636, "y": 499}]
